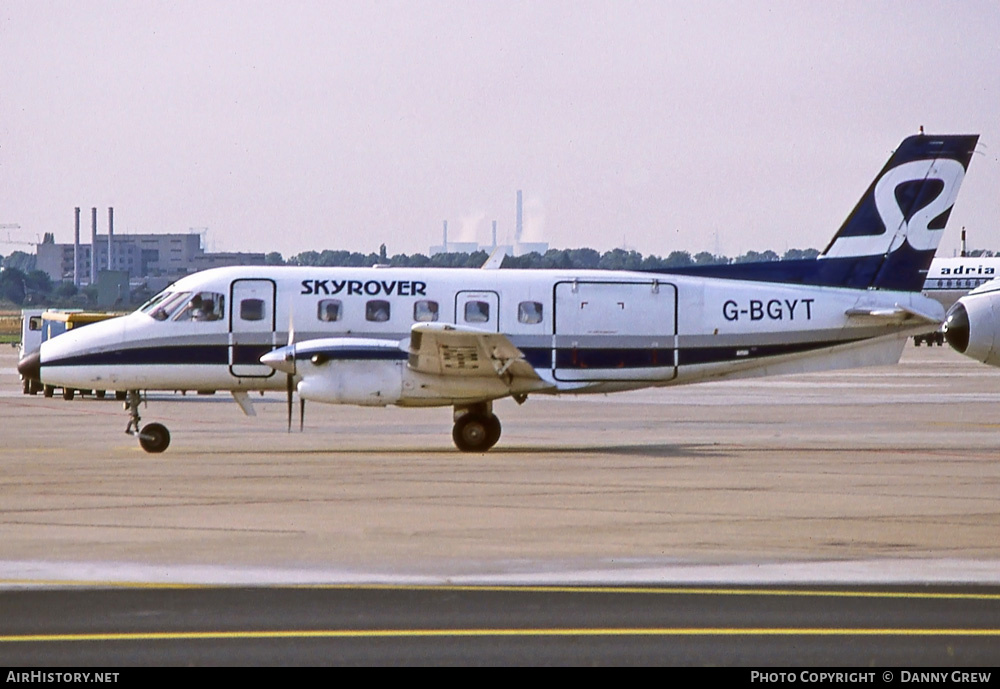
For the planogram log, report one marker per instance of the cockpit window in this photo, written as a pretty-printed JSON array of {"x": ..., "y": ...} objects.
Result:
[
  {"x": 163, "y": 308},
  {"x": 203, "y": 306},
  {"x": 151, "y": 304}
]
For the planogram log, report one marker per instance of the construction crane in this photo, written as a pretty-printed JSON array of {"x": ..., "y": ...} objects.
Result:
[{"x": 13, "y": 226}]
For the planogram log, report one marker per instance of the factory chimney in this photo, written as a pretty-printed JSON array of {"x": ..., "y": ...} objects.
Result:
[
  {"x": 520, "y": 219},
  {"x": 111, "y": 236},
  {"x": 76, "y": 250},
  {"x": 444, "y": 242},
  {"x": 93, "y": 246},
  {"x": 494, "y": 234}
]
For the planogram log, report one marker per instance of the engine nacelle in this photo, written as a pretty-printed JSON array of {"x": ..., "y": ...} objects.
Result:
[
  {"x": 972, "y": 326},
  {"x": 366, "y": 383}
]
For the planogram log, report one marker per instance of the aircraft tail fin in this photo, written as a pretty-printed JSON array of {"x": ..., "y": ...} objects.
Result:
[
  {"x": 902, "y": 215},
  {"x": 889, "y": 239}
]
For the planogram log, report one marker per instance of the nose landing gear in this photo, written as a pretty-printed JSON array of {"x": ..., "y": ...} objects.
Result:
[{"x": 154, "y": 437}]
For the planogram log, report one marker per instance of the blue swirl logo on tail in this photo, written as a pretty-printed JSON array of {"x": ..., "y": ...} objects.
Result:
[{"x": 905, "y": 217}]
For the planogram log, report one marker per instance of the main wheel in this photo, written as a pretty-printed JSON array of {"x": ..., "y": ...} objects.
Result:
[
  {"x": 68, "y": 393},
  {"x": 492, "y": 430},
  {"x": 121, "y": 395},
  {"x": 476, "y": 433},
  {"x": 48, "y": 390},
  {"x": 154, "y": 437}
]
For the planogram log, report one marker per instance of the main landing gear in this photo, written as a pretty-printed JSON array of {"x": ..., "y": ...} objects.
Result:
[
  {"x": 154, "y": 437},
  {"x": 476, "y": 429}
]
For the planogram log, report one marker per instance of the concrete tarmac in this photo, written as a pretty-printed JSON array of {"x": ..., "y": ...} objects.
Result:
[{"x": 870, "y": 475}]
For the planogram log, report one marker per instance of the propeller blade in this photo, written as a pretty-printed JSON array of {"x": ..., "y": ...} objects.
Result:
[
  {"x": 302, "y": 413},
  {"x": 289, "y": 382},
  {"x": 288, "y": 389}
]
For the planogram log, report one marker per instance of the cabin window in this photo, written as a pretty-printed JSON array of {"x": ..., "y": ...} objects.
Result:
[
  {"x": 35, "y": 323},
  {"x": 477, "y": 312},
  {"x": 529, "y": 312},
  {"x": 252, "y": 309},
  {"x": 329, "y": 310},
  {"x": 204, "y": 306},
  {"x": 377, "y": 311},
  {"x": 425, "y": 311}
]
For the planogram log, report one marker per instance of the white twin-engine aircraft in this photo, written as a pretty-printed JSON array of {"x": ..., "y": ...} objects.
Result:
[{"x": 464, "y": 338}]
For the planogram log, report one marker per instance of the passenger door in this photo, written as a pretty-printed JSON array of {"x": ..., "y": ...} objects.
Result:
[
  {"x": 252, "y": 322},
  {"x": 478, "y": 310}
]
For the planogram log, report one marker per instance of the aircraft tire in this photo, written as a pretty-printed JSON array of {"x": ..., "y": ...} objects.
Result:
[
  {"x": 68, "y": 394},
  {"x": 100, "y": 394},
  {"x": 26, "y": 386},
  {"x": 154, "y": 438},
  {"x": 493, "y": 430},
  {"x": 121, "y": 395},
  {"x": 48, "y": 390},
  {"x": 474, "y": 433}
]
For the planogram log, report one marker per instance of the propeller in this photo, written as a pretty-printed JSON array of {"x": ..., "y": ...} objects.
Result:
[
  {"x": 283, "y": 359},
  {"x": 290, "y": 375}
]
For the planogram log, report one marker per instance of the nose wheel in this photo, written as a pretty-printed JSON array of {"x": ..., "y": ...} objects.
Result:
[{"x": 154, "y": 437}]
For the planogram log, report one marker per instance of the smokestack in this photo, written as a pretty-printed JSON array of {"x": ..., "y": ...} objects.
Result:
[
  {"x": 494, "y": 234},
  {"x": 76, "y": 250},
  {"x": 520, "y": 219},
  {"x": 444, "y": 244},
  {"x": 93, "y": 246},
  {"x": 963, "y": 243},
  {"x": 111, "y": 236}
]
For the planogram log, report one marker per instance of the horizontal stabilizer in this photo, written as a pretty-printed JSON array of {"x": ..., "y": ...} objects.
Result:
[{"x": 894, "y": 314}]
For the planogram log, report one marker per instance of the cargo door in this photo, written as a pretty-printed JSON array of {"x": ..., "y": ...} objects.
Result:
[{"x": 608, "y": 331}]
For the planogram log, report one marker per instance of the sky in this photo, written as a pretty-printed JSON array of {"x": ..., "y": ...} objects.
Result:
[{"x": 655, "y": 126}]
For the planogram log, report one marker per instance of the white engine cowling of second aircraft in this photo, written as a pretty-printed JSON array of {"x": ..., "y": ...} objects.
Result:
[
  {"x": 366, "y": 383},
  {"x": 972, "y": 327}
]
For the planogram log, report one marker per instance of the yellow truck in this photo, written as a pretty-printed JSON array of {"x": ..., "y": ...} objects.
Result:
[{"x": 39, "y": 325}]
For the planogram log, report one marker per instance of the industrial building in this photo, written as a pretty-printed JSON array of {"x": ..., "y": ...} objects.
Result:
[
  {"x": 518, "y": 248},
  {"x": 139, "y": 255}
]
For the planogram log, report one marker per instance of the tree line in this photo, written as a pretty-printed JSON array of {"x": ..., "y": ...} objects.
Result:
[
  {"x": 22, "y": 285},
  {"x": 616, "y": 259}
]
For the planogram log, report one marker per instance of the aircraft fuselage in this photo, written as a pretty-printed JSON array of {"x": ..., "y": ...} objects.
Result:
[{"x": 581, "y": 331}]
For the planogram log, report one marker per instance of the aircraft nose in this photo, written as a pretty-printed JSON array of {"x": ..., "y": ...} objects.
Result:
[
  {"x": 956, "y": 328},
  {"x": 281, "y": 359},
  {"x": 31, "y": 366}
]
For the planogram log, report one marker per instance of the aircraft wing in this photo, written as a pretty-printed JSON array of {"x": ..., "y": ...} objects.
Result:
[{"x": 452, "y": 350}]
